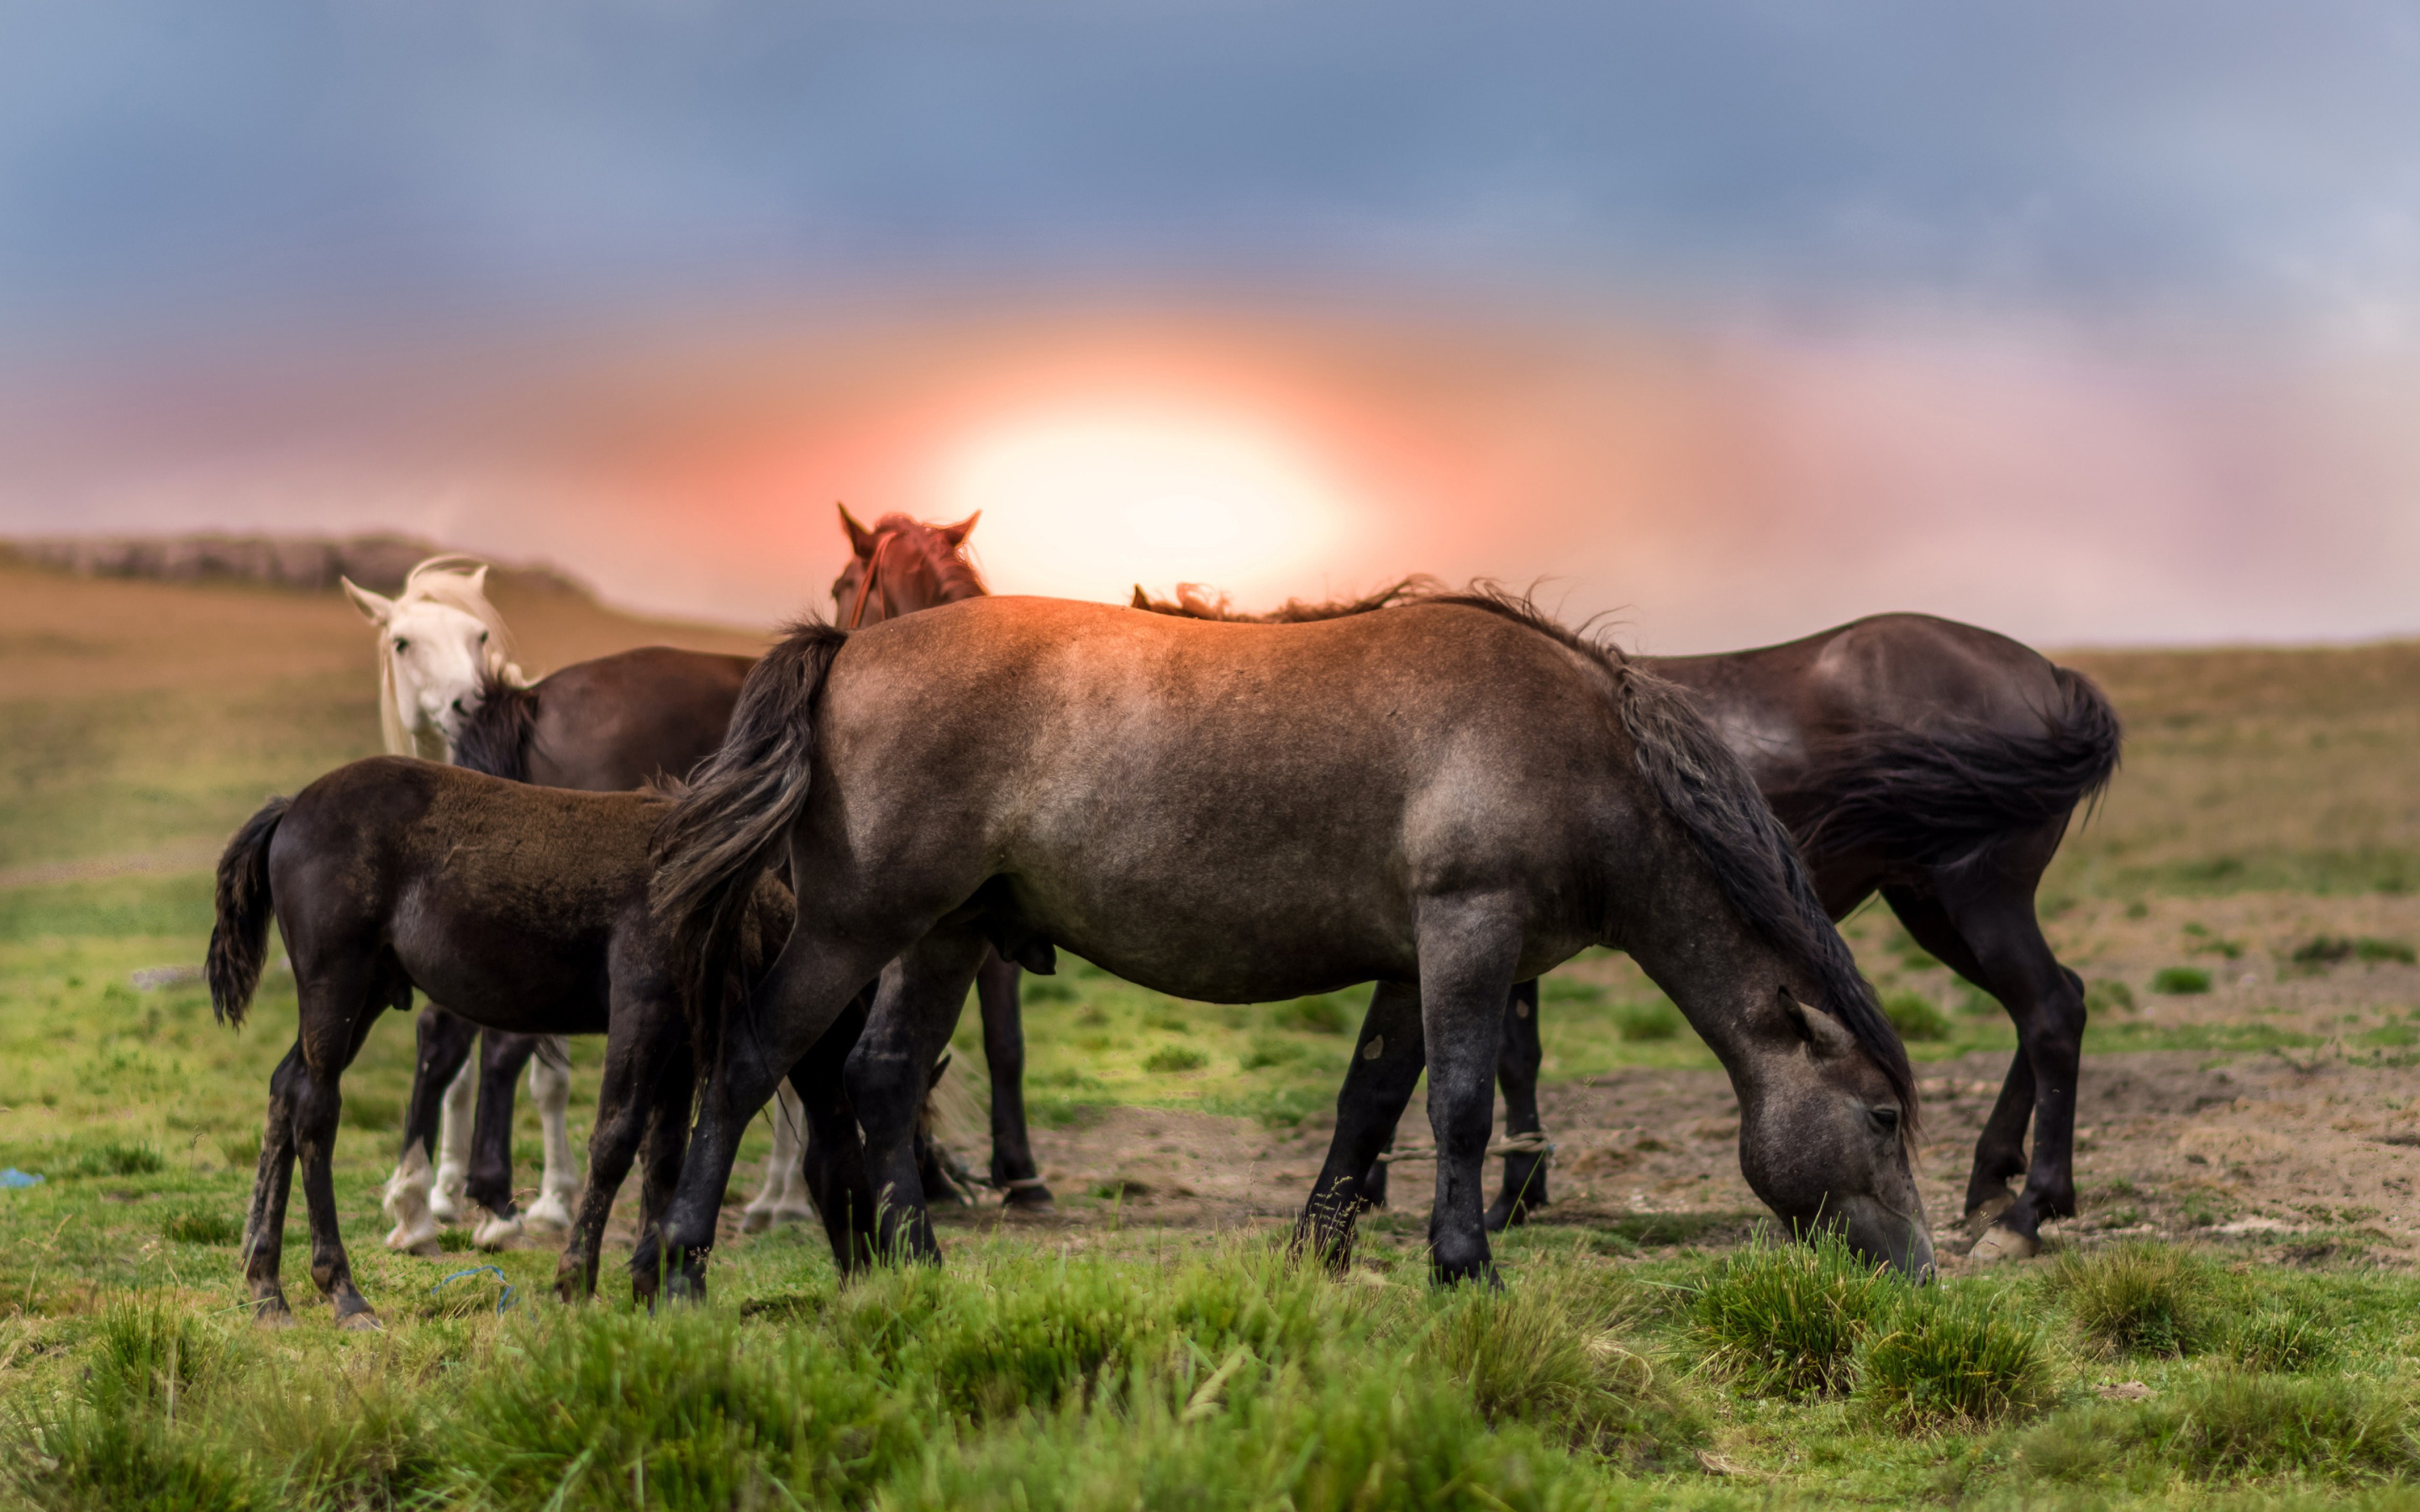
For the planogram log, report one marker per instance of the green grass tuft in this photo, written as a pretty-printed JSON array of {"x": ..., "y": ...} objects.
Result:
[
  {"x": 2108, "y": 994},
  {"x": 113, "y": 1157},
  {"x": 201, "y": 1226},
  {"x": 1915, "y": 1017},
  {"x": 2234, "y": 1424},
  {"x": 1321, "y": 1013},
  {"x": 1945, "y": 1358},
  {"x": 2277, "y": 1339},
  {"x": 1654, "y": 1019},
  {"x": 2138, "y": 1298},
  {"x": 1784, "y": 1320},
  {"x": 1170, "y": 1059},
  {"x": 2180, "y": 982}
]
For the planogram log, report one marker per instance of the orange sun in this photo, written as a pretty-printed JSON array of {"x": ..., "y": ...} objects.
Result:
[{"x": 1085, "y": 504}]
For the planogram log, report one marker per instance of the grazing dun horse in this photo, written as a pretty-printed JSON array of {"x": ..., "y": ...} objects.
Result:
[
  {"x": 439, "y": 641},
  {"x": 1446, "y": 797}
]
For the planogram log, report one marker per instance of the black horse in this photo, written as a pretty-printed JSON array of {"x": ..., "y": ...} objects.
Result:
[
  {"x": 524, "y": 907},
  {"x": 1456, "y": 793},
  {"x": 1938, "y": 764}
]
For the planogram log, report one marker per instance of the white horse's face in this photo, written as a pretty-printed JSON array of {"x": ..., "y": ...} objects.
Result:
[{"x": 439, "y": 653}]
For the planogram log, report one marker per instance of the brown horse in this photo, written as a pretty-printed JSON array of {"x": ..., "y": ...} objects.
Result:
[
  {"x": 1457, "y": 794},
  {"x": 1932, "y": 762}
]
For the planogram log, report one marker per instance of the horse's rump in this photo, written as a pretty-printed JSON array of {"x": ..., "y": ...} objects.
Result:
[{"x": 1937, "y": 795}]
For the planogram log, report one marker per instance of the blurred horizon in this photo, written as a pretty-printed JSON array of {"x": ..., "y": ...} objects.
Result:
[{"x": 1733, "y": 322}]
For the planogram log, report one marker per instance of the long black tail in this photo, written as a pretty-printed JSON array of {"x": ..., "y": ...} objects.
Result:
[
  {"x": 495, "y": 738},
  {"x": 717, "y": 841},
  {"x": 1939, "y": 796},
  {"x": 240, "y": 939}
]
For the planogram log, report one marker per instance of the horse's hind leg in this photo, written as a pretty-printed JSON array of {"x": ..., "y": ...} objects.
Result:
[
  {"x": 1516, "y": 1068},
  {"x": 444, "y": 1043},
  {"x": 264, "y": 1228},
  {"x": 549, "y": 1083},
  {"x": 892, "y": 1070},
  {"x": 997, "y": 990},
  {"x": 456, "y": 1106},
  {"x": 1981, "y": 923},
  {"x": 645, "y": 1039},
  {"x": 834, "y": 1165},
  {"x": 490, "y": 1187},
  {"x": 810, "y": 985},
  {"x": 328, "y": 1043},
  {"x": 1378, "y": 1081}
]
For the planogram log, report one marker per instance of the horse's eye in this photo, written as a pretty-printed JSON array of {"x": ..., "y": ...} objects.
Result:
[
  {"x": 402, "y": 647},
  {"x": 483, "y": 638},
  {"x": 1886, "y": 1119}
]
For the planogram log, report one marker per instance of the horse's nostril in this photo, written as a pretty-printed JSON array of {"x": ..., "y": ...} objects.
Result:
[{"x": 458, "y": 707}]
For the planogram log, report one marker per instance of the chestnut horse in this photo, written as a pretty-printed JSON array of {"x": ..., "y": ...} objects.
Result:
[{"x": 1456, "y": 794}]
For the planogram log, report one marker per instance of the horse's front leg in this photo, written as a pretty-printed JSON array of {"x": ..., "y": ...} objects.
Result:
[
  {"x": 647, "y": 1038},
  {"x": 490, "y": 1187},
  {"x": 1519, "y": 1058}
]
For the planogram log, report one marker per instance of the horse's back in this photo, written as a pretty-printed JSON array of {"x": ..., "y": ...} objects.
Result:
[
  {"x": 615, "y": 722},
  {"x": 1109, "y": 762}
]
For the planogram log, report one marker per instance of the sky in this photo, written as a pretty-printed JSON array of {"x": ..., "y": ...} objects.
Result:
[{"x": 2094, "y": 324}]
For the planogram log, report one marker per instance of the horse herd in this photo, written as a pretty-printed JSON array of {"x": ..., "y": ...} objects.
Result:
[{"x": 779, "y": 879}]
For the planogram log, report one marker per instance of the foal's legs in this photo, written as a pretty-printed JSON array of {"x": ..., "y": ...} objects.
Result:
[
  {"x": 1387, "y": 1060},
  {"x": 445, "y": 1042},
  {"x": 891, "y": 1071},
  {"x": 264, "y": 1227},
  {"x": 1516, "y": 1068},
  {"x": 1980, "y": 921},
  {"x": 447, "y": 1204},
  {"x": 1012, "y": 1171}
]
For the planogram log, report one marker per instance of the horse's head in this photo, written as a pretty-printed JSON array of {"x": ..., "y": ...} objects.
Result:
[
  {"x": 901, "y": 565},
  {"x": 433, "y": 650},
  {"x": 1824, "y": 1140}
]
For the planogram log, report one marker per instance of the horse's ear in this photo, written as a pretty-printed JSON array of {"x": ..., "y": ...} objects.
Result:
[
  {"x": 375, "y": 608},
  {"x": 860, "y": 540},
  {"x": 1141, "y": 599},
  {"x": 480, "y": 579},
  {"x": 1825, "y": 1035},
  {"x": 956, "y": 535}
]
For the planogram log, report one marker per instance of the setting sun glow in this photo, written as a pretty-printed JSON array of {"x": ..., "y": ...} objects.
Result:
[{"x": 1086, "y": 505}]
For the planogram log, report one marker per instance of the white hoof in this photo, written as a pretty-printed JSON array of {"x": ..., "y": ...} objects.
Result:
[
  {"x": 550, "y": 1213},
  {"x": 445, "y": 1207},
  {"x": 1999, "y": 1243},
  {"x": 500, "y": 1233}
]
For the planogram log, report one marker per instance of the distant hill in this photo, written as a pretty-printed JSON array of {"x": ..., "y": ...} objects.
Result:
[{"x": 309, "y": 563}]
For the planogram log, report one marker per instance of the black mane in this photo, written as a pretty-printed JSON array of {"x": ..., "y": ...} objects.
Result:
[{"x": 495, "y": 739}]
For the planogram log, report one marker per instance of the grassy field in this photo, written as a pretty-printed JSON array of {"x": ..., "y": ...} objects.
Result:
[{"x": 1136, "y": 1351}]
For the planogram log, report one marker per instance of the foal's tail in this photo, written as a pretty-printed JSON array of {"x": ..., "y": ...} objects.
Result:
[
  {"x": 714, "y": 843},
  {"x": 240, "y": 939},
  {"x": 1940, "y": 796}
]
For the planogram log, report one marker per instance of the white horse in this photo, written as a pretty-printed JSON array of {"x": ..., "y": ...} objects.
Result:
[{"x": 437, "y": 639}]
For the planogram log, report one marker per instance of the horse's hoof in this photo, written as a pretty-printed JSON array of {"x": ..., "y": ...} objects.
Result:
[
  {"x": 414, "y": 1239},
  {"x": 755, "y": 1219},
  {"x": 549, "y": 1214},
  {"x": 500, "y": 1233},
  {"x": 1030, "y": 1199},
  {"x": 1980, "y": 1217},
  {"x": 365, "y": 1321},
  {"x": 2000, "y": 1243},
  {"x": 273, "y": 1316}
]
